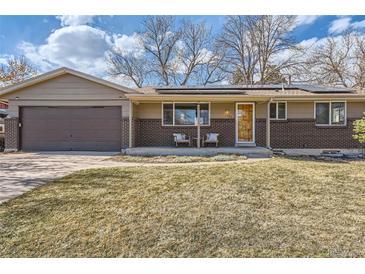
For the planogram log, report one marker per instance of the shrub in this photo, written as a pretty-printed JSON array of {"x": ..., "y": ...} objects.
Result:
[{"x": 359, "y": 130}]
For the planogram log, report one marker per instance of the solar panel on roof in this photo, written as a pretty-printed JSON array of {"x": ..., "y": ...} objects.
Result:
[{"x": 240, "y": 89}]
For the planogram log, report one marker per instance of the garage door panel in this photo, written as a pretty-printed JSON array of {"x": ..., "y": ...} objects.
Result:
[
  {"x": 97, "y": 146},
  {"x": 71, "y": 128},
  {"x": 56, "y": 145},
  {"x": 49, "y": 126},
  {"x": 98, "y": 135},
  {"x": 43, "y": 112},
  {"x": 56, "y": 134},
  {"x": 93, "y": 123},
  {"x": 80, "y": 125}
]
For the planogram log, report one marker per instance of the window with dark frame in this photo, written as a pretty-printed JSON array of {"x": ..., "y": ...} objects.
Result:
[
  {"x": 330, "y": 113},
  {"x": 185, "y": 114},
  {"x": 278, "y": 111},
  {"x": 168, "y": 114}
]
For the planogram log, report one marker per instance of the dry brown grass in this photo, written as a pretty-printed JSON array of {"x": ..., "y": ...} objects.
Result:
[
  {"x": 275, "y": 208},
  {"x": 177, "y": 159}
]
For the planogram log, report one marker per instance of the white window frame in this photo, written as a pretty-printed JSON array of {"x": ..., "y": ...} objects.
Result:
[
  {"x": 173, "y": 114},
  {"x": 2, "y": 128},
  {"x": 277, "y": 111},
  {"x": 330, "y": 114}
]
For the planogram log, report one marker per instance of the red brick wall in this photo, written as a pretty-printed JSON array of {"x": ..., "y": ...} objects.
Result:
[
  {"x": 260, "y": 130},
  {"x": 11, "y": 134},
  {"x": 150, "y": 132},
  {"x": 293, "y": 133},
  {"x": 303, "y": 133},
  {"x": 125, "y": 132}
]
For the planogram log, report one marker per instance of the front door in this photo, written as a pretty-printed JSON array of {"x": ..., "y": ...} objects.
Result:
[{"x": 245, "y": 123}]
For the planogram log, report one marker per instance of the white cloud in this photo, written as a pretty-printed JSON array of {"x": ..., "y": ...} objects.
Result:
[
  {"x": 4, "y": 58},
  {"x": 306, "y": 19},
  {"x": 31, "y": 52},
  {"x": 308, "y": 42},
  {"x": 340, "y": 25},
  {"x": 79, "y": 47},
  {"x": 129, "y": 45},
  {"x": 358, "y": 24},
  {"x": 345, "y": 23},
  {"x": 75, "y": 20}
]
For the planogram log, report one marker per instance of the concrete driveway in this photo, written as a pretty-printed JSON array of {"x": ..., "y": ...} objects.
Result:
[{"x": 20, "y": 172}]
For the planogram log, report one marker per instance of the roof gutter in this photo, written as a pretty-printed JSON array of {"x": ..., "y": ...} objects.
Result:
[{"x": 153, "y": 97}]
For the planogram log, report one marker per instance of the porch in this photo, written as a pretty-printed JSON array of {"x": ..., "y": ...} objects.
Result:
[
  {"x": 250, "y": 152},
  {"x": 239, "y": 124}
]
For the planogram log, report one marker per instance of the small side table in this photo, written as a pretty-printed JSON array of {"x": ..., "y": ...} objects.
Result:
[{"x": 195, "y": 139}]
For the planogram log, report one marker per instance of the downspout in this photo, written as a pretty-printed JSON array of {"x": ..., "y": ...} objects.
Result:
[{"x": 268, "y": 143}]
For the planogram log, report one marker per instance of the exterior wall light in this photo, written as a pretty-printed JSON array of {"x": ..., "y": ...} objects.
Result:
[{"x": 227, "y": 113}]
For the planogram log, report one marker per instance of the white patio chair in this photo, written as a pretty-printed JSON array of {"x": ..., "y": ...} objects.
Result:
[
  {"x": 181, "y": 138},
  {"x": 211, "y": 138}
]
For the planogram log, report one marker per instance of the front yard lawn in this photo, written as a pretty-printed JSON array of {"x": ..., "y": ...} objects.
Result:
[{"x": 275, "y": 208}]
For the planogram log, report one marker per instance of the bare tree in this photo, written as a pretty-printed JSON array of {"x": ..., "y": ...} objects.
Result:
[
  {"x": 213, "y": 70},
  {"x": 272, "y": 38},
  {"x": 241, "y": 52},
  {"x": 359, "y": 62},
  {"x": 193, "y": 51},
  {"x": 197, "y": 59},
  {"x": 16, "y": 70},
  {"x": 159, "y": 40},
  {"x": 127, "y": 66},
  {"x": 254, "y": 45},
  {"x": 171, "y": 55},
  {"x": 330, "y": 63}
]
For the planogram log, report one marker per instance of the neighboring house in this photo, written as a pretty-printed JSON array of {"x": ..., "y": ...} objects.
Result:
[
  {"x": 3, "y": 114},
  {"x": 69, "y": 110}
]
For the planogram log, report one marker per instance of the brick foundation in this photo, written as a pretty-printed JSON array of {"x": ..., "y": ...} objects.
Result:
[
  {"x": 292, "y": 133},
  {"x": 11, "y": 134}
]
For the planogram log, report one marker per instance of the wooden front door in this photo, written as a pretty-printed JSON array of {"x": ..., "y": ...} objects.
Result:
[{"x": 245, "y": 123}]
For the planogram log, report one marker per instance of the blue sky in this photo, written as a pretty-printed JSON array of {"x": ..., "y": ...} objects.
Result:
[{"x": 80, "y": 42}]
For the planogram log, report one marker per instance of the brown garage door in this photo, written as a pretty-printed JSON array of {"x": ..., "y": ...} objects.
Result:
[{"x": 71, "y": 128}]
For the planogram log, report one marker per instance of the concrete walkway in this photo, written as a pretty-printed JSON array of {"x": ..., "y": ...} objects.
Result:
[
  {"x": 250, "y": 152},
  {"x": 21, "y": 172}
]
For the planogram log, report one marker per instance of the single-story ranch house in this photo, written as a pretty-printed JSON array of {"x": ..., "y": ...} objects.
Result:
[{"x": 69, "y": 110}]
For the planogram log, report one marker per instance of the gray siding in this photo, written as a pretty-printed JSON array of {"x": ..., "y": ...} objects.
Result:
[{"x": 66, "y": 90}]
